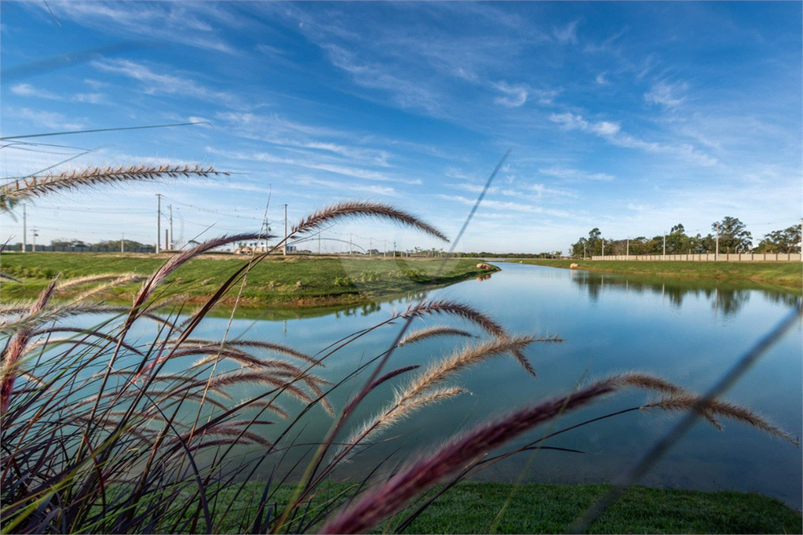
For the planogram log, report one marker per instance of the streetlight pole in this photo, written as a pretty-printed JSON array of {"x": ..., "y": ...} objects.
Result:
[
  {"x": 170, "y": 207},
  {"x": 716, "y": 251},
  {"x": 158, "y": 223},
  {"x": 284, "y": 243}
]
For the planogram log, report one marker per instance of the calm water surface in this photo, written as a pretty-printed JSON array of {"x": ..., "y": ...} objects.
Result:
[{"x": 686, "y": 332}]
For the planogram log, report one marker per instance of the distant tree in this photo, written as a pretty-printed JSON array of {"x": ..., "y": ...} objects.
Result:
[
  {"x": 129, "y": 245},
  {"x": 733, "y": 235},
  {"x": 676, "y": 241},
  {"x": 781, "y": 241},
  {"x": 579, "y": 248},
  {"x": 68, "y": 243}
]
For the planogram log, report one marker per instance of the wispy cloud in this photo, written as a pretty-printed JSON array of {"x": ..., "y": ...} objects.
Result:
[
  {"x": 310, "y": 138},
  {"x": 186, "y": 23},
  {"x": 404, "y": 91},
  {"x": 353, "y": 172},
  {"x": 566, "y": 34},
  {"x": 515, "y": 95},
  {"x": 667, "y": 94},
  {"x": 612, "y": 133},
  {"x": 157, "y": 83},
  {"x": 371, "y": 189},
  {"x": 27, "y": 90},
  {"x": 570, "y": 174},
  {"x": 48, "y": 119},
  {"x": 505, "y": 206}
]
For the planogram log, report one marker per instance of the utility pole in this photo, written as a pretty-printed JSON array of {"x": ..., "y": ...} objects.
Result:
[
  {"x": 370, "y": 245},
  {"x": 603, "y": 247},
  {"x": 158, "y": 222},
  {"x": 664, "y": 245},
  {"x": 284, "y": 243},
  {"x": 24, "y": 228},
  {"x": 166, "y": 246},
  {"x": 35, "y": 234},
  {"x": 394, "y": 248},
  {"x": 122, "y": 243},
  {"x": 628, "y": 247},
  {"x": 716, "y": 251},
  {"x": 584, "y": 250},
  {"x": 170, "y": 207}
]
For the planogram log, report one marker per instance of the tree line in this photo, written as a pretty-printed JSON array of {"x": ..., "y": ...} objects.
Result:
[
  {"x": 110, "y": 244},
  {"x": 733, "y": 238}
]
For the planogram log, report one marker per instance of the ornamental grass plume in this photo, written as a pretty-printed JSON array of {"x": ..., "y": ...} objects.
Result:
[
  {"x": 419, "y": 476},
  {"x": 37, "y": 186},
  {"x": 686, "y": 401},
  {"x": 353, "y": 209}
]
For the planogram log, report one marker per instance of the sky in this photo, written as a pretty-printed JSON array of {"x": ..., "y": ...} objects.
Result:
[{"x": 630, "y": 117}]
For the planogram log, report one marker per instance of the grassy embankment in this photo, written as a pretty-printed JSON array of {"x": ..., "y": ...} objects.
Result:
[
  {"x": 278, "y": 281},
  {"x": 540, "y": 508},
  {"x": 786, "y": 274}
]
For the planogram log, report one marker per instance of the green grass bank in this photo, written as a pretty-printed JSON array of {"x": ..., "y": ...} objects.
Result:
[
  {"x": 472, "y": 507},
  {"x": 786, "y": 274},
  {"x": 291, "y": 281}
]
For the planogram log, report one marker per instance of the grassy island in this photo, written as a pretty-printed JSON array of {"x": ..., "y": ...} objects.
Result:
[{"x": 279, "y": 281}]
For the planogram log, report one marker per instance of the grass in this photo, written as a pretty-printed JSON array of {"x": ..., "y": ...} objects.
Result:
[
  {"x": 474, "y": 507},
  {"x": 786, "y": 274},
  {"x": 539, "y": 508},
  {"x": 275, "y": 282}
]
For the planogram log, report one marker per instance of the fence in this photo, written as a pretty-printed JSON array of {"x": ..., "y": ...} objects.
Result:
[
  {"x": 50, "y": 248},
  {"x": 709, "y": 257}
]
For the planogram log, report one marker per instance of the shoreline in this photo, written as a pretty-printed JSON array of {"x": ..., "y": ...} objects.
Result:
[{"x": 780, "y": 275}]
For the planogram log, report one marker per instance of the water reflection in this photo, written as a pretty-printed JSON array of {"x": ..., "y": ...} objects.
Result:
[{"x": 726, "y": 298}]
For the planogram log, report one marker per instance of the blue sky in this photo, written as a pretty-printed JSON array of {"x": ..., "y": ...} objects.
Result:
[{"x": 630, "y": 117}]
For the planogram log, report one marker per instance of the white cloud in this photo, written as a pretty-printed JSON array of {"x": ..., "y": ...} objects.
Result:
[
  {"x": 600, "y": 79},
  {"x": 307, "y": 163},
  {"x": 155, "y": 82},
  {"x": 505, "y": 206},
  {"x": 174, "y": 21},
  {"x": 567, "y": 34},
  {"x": 406, "y": 93},
  {"x": 372, "y": 189},
  {"x": 27, "y": 90},
  {"x": 612, "y": 133},
  {"x": 515, "y": 96},
  {"x": 666, "y": 94},
  {"x": 48, "y": 119},
  {"x": 569, "y": 174},
  {"x": 89, "y": 98}
]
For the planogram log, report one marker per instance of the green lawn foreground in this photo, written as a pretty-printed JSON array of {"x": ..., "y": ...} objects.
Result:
[
  {"x": 277, "y": 281},
  {"x": 472, "y": 507},
  {"x": 786, "y": 274}
]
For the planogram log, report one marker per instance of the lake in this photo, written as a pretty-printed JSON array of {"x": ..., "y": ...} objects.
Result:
[{"x": 688, "y": 332}]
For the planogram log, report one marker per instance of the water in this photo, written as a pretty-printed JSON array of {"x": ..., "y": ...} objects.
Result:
[{"x": 689, "y": 333}]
